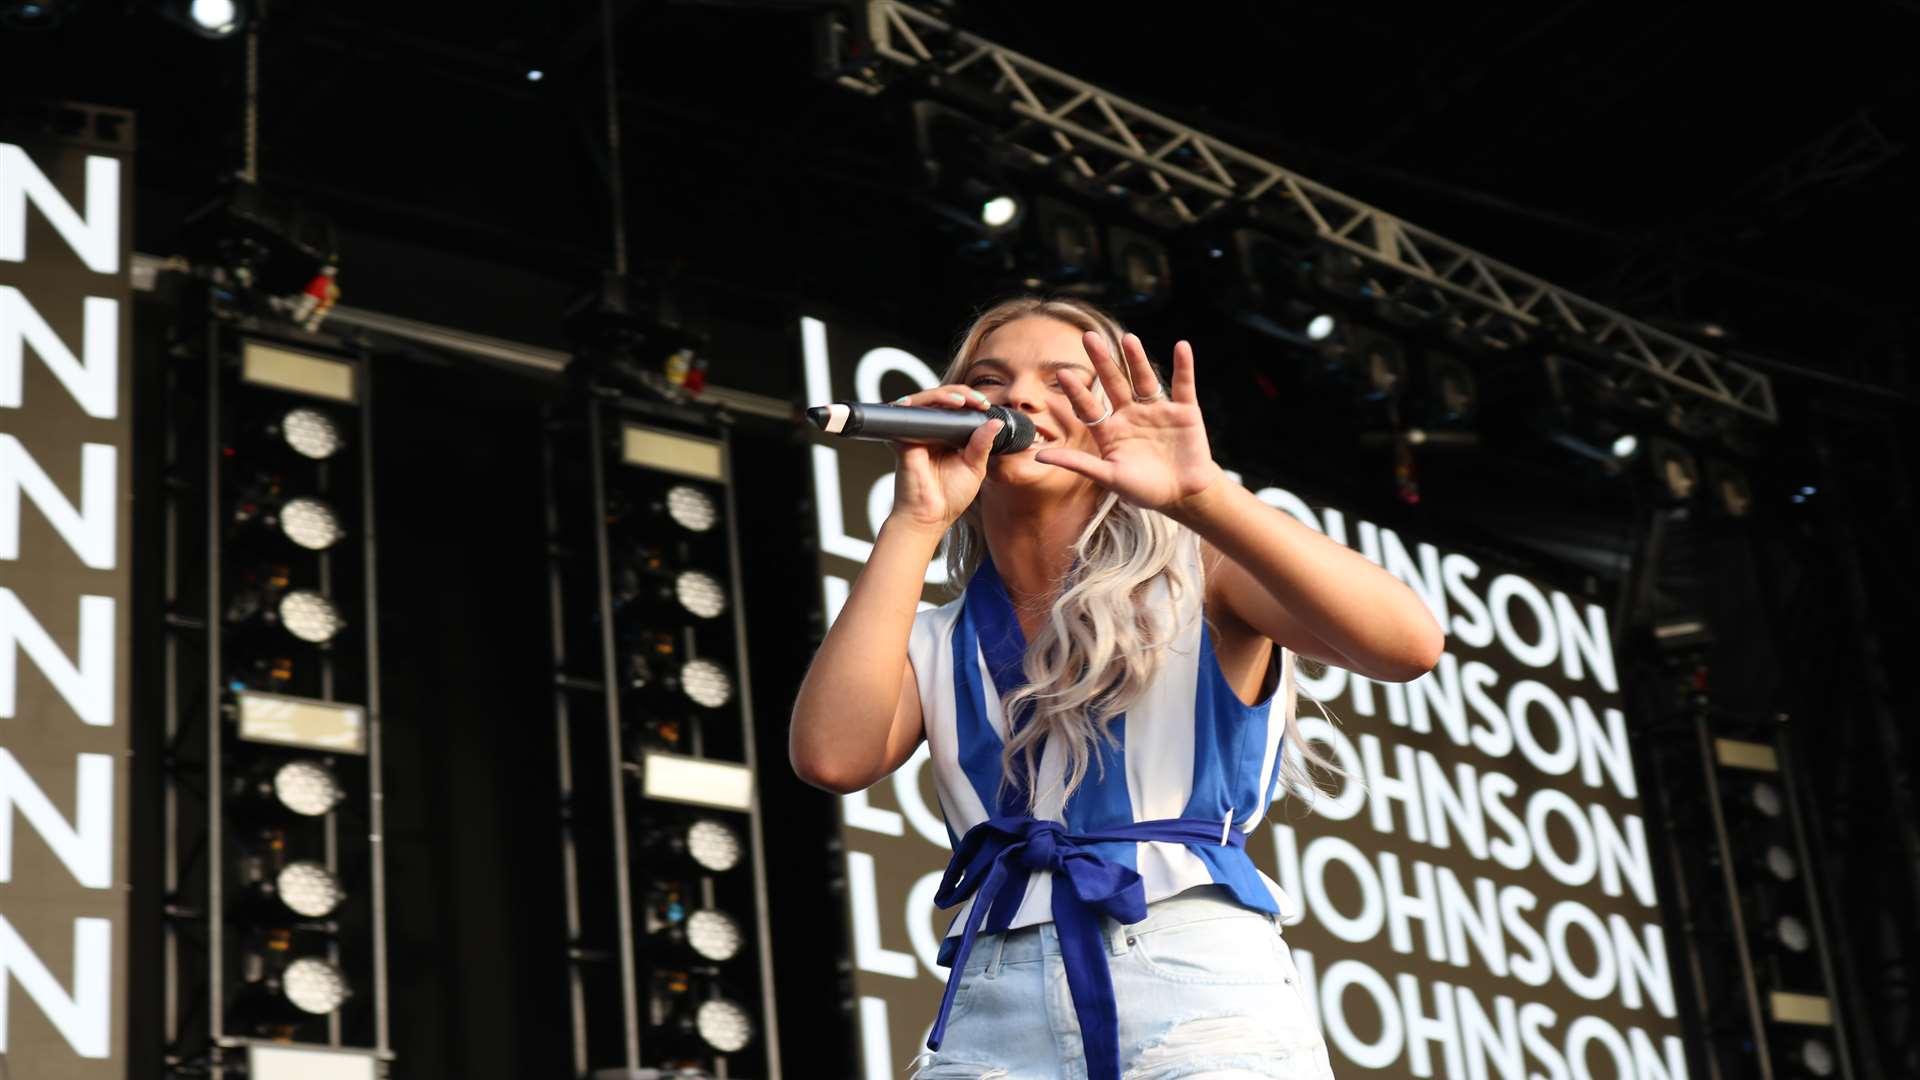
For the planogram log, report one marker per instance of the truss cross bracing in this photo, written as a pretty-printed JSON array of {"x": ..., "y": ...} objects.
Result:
[{"x": 1183, "y": 176}]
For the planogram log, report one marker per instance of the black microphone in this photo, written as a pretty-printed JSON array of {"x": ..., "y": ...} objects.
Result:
[{"x": 921, "y": 424}]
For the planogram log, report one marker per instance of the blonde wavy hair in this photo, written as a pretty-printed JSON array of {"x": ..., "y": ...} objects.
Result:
[{"x": 1103, "y": 641}]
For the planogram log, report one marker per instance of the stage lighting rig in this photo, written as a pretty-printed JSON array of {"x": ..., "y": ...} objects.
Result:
[
  {"x": 274, "y": 880},
  {"x": 656, "y": 739}
]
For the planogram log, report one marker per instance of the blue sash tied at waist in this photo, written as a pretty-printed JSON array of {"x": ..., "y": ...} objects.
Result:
[{"x": 993, "y": 861}]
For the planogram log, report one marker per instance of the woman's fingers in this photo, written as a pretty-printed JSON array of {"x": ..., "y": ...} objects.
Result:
[
  {"x": 1085, "y": 405},
  {"x": 1183, "y": 374},
  {"x": 980, "y": 443},
  {"x": 1145, "y": 382},
  {"x": 951, "y": 395},
  {"x": 1105, "y": 367}
]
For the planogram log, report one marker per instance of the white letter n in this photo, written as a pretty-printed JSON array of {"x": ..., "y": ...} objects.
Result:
[
  {"x": 87, "y": 686},
  {"x": 96, "y": 239},
  {"x": 86, "y": 846},
  {"x": 84, "y": 1017},
  {"x": 95, "y": 384},
  {"x": 88, "y": 529}
]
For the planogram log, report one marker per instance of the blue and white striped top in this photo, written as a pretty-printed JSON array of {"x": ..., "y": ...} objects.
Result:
[{"x": 1189, "y": 749}]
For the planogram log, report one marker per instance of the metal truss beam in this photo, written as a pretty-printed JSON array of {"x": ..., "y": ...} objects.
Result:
[{"x": 1180, "y": 176}]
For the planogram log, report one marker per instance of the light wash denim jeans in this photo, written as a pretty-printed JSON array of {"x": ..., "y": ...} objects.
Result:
[{"x": 1206, "y": 990}]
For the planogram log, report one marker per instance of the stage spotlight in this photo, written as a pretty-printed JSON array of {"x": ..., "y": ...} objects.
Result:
[
  {"x": 309, "y": 432},
  {"x": 713, "y": 845},
  {"x": 1068, "y": 242},
  {"x": 308, "y": 889},
  {"x": 700, "y": 845},
  {"x": 309, "y": 616},
  {"x": 1792, "y": 933},
  {"x": 535, "y": 75},
  {"x": 310, "y": 523},
  {"x": 1766, "y": 799},
  {"x": 1143, "y": 275},
  {"x": 1731, "y": 493},
  {"x": 1000, "y": 212},
  {"x": 1320, "y": 327},
  {"x": 314, "y": 986},
  {"x": 1781, "y": 863},
  {"x": 691, "y": 508},
  {"x": 707, "y": 934},
  {"x": 301, "y": 787},
  {"x": 1816, "y": 1057},
  {"x": 1674, "y": 469},
  {"x": 714, "y": 935},
  {"x": 723, "y": 1025},
  {"x": 700, "y": 593},
  {"x": 707, "y": 683},
  {"x": 213, "y": 19},
  {"x": 1452, "y": 392}
]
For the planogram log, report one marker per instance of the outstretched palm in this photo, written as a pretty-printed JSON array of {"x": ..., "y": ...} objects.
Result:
[{"x": 1153, "y": 453}]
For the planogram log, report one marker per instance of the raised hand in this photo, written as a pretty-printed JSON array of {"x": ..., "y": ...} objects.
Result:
[{"x": 1153, "y": 447}]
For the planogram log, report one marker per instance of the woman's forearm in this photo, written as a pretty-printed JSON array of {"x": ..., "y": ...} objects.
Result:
[
  {"x": 846, "y": 703},
  {"x": 1335, "y": 592}
]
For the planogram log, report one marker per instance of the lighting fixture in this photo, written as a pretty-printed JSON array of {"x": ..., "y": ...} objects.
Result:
[
  {"x": 714, "y": 935},
  {"x": 707, "y": 683},
  {"x": 304, "y": 787},
  {"x": 700, "y": 781},
  {"x": 691, "y": 508},
  {"x": 700, "y": 593},
  {"x": 723, "y": 1025},
  {"x": 314, "y": 986},
  {"x": 310, "y": 433},
  {"x": 999, "y": 212},
  {"x": 1792, "y": 933},
  {"x": 310, "y": 523},
  {"x": 328, "y": 726},
  {"x": 1142, "y": 272},
  {"x": 309, "y": 616},
  {"x": 308, "y": 889}
]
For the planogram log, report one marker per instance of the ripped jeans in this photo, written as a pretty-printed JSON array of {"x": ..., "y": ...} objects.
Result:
[{"x": 1206, "y": 990}]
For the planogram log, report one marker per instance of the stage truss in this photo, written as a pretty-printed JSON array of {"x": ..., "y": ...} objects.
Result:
[{"x": 1180, "y": 177}]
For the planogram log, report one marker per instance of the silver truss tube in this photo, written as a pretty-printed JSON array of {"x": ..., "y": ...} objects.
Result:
[{"x": 1134, "y": 152}]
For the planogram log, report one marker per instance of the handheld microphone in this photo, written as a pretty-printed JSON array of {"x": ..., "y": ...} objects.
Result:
[{"x": 920, "y": 424}]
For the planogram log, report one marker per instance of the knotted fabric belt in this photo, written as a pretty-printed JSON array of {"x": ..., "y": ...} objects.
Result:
[{"x": 993, "y": 860}]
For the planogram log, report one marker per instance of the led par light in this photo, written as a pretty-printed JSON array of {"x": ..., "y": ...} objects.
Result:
[
  {"x": 698, "y": 1018},
  {"x": 706, "y": 683},
  {"x": 314, "y": 986},
  {"x": 723, "y": 1025},
  {"x": 300, "y": 788},
  {"x": 308, "y": 889},
  {"x": 700, "y": 593},
  {"x": 262, "y": 510},
  {"x": 691, "y": 508},
  {"x": 701, "y": 935},
  {"x": 264, "y": 599},
  {"x": 700, "y": 845},
  {"x": 310, "y": 432},
  {"x": 646, "y": 572}
]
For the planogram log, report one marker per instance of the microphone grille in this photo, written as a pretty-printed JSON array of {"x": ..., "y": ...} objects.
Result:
[{"x": 1017, "y": 435}]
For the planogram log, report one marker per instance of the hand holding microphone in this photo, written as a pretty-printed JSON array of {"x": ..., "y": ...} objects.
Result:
[
  {"x": 941, "y": 438},
  {"x": 952, "y": 426}
]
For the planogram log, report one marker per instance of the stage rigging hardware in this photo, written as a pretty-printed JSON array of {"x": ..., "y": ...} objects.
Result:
[
  {"x": 275, "y": 945},
  {"x": 669, "y": 961},
  {"x": 1178, "y": 176}
]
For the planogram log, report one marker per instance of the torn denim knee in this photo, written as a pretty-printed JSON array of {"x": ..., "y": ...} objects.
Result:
[{"x": 1228, "y": 1045}]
